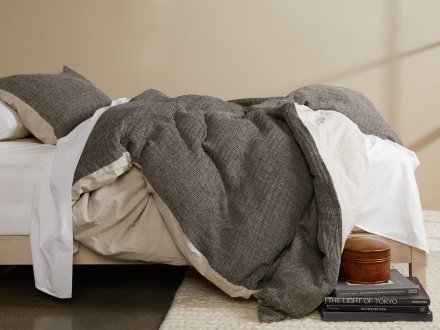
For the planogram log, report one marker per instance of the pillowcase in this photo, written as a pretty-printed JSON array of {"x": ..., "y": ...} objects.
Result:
[
  {"x": 11, "y": 126},
  {"x": 52, "y": 105}
]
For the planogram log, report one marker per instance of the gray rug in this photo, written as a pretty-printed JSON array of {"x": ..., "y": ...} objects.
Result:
[{"x": 200, "y": 305}]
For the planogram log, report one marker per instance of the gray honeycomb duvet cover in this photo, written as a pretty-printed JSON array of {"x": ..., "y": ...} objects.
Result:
[{"x": 242, "y": 186}]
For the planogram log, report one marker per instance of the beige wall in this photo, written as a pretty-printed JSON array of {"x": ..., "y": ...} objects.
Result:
[{"x": 388, "y": 49}]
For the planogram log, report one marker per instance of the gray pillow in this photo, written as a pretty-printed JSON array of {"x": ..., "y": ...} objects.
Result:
[{"x": 52, "y": 105}]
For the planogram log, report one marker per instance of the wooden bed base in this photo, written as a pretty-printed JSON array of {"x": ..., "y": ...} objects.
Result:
[{"x": 15, "y": 250}]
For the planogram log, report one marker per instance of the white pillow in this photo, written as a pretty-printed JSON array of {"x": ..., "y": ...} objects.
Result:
[{"x": 11, "y": 126}]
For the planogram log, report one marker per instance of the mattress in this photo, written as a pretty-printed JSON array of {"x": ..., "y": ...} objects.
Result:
[
  {"x": 391, "y": 166},
  {"x": 20, "y": 163}
]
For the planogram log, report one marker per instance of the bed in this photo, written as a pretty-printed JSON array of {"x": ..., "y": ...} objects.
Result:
[
  {"x": 22, "y": 160},
  {"x": 257, "y": 194}
]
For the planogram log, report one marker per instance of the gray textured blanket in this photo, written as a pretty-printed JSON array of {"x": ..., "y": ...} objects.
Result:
[{"x": 245, "y": 183}]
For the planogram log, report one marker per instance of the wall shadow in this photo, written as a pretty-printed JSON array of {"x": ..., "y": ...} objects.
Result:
[
  {"x": 425, "y": 140},
  {"x": 385, "y": 61}
]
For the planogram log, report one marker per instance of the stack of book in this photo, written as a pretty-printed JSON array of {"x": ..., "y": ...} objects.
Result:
[{"x": 399, "y": 299}]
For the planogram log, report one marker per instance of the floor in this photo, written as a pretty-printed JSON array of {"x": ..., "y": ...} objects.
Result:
[{"x": 105, "y": 297}]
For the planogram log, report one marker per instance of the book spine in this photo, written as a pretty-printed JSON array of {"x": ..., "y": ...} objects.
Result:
[
  {"x": 378, "y": 308},
  {"x": 375, "y": 301},
  {"x": 381, "y": 317},
  {"x": 370, "y": 293}
]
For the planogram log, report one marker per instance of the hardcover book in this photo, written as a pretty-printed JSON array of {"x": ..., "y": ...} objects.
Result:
[
  {"x": 398, "y": 285},
  {"x": 373, "y": 316},
  {"x": 419, "y": 299}
]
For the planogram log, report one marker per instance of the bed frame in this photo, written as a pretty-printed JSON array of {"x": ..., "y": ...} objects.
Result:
[{"x": 15, "y": 250}]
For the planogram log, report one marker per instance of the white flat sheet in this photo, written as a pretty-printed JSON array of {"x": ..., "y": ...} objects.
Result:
[
  {"x": 51, "y": 219},
  {"x": 391, "y": 205},
  {"x": 20, "y": 163}
]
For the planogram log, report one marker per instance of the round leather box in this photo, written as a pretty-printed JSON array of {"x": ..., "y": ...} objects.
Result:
[{"x": 365, "y": 260}]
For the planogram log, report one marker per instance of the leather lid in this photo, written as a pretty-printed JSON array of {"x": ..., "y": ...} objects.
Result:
[{"x": 365, "y": 248}]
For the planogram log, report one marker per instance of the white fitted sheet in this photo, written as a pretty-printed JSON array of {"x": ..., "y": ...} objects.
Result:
[{"x": 20, "y": 163}]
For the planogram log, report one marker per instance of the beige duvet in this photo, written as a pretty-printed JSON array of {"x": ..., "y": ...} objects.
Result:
[{"x": 143, "y": 235}]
